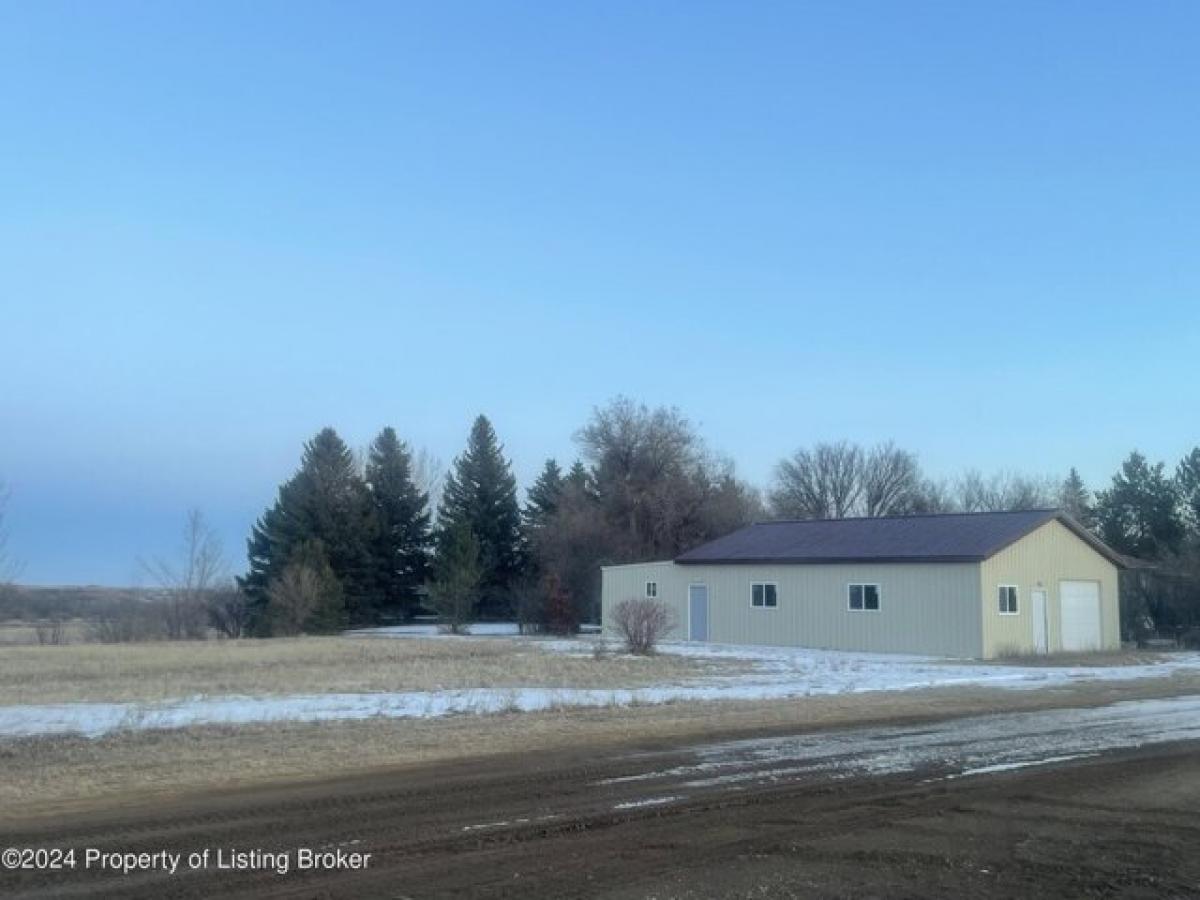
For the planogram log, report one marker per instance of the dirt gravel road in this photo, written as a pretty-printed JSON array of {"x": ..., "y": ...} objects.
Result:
[{"x": 965, "y": 807}]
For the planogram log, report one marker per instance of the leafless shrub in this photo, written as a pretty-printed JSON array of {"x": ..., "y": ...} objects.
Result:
[
  {"x": 128, "y": 620},
  {"x": 1189, "y": 638},
  {"x": 528, "y": 603},
  {"x": 51, "y": 633},
  {"x": 642, "y": 623},
  {"x": 189, "y": 583},
  {"x": 292, "y": 599},
  {"x": 228, "y": 611},
  {"x": 306, "y": 598}
]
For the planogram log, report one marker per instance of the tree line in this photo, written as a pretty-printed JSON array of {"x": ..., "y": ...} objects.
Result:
[
  {"x": 346, "y": 544},
  {"x": 359, "y": 539},
  {"x": 349, "y": 544},
  {"x": 1149, "y": 513}
]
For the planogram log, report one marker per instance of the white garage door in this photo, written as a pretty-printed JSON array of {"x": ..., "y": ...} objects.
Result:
[{"x": 1080, "y": 615}]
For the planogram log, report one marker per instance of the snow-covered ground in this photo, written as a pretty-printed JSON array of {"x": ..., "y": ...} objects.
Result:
[
  {"x": 804, "y": 672},
  {"x": 978, "y": 745},
  {"x": 765, "y": 673},
  {"x": 479, "y": 629}
]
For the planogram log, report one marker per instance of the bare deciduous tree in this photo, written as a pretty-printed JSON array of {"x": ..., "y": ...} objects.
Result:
[
  {"x": 642, "y": 623},
  {"x": 656, "y": 486},
  {"x": 891, "y": 481},
  {"x": 130, "y": 618},
  {"x": 9, "y": 568},
  {"x": 646, "y": 487},
  {"x": 825, "y": 482},
  {"x": 833, "y": 481},
  {"x": 934, "y": 496},
  {"x": 190, "y": 582},
  {"x": 1004, "y": 491},
  {"x": 429, "y": 475}
]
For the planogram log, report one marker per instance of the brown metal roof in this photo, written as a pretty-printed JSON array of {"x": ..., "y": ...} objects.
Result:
[{"x": 945, "y": 537}]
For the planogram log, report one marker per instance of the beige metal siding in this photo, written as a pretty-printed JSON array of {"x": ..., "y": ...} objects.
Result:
[
  {"x": 629, "y": 582},
  {"x": 1041, "y": 560},
  {"x": 928, "y": 608}
]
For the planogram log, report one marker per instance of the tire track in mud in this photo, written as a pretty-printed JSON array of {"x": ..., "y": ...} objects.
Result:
[{"x": 568, "y": 824}]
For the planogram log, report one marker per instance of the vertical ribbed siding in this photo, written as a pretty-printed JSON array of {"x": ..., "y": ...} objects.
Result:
[
  {"x": 931, "y": 608},
  {"x": 629, "y": 582},
  {"x": 1041, "y": 560}
]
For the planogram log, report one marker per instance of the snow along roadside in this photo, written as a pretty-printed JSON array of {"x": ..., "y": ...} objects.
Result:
[{"x": 777, "y": 675}]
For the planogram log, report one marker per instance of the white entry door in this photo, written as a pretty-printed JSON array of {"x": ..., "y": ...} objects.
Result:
[
  {"x": 1038, "y": 615},
  {"x": 698, "y": 612},
  {"x": 1080, "y": 601}
]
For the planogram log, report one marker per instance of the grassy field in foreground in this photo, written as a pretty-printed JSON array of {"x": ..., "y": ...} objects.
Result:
[
  {"x": 164, "y": 670},
  {"x": 53, "y": 776}
]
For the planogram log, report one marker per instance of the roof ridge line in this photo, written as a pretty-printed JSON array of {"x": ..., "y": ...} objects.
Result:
[{"x": 941, "y": 515}]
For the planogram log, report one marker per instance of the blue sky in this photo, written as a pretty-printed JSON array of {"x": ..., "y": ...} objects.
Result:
[{"x": 971, "y": 228}]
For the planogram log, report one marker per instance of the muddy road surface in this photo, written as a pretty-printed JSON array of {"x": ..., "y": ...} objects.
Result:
[{"x": 1095, "y": 802}]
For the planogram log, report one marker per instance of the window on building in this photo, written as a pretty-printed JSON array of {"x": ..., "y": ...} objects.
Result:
[
  {"x": 1008, "y": 599},
  {"x": 652, "y": 589},
  {"x": 764, "y": 595},
  {"x": 864, "y": 598}
]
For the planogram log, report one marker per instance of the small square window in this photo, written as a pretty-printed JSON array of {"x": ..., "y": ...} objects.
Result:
[
  {"x": 862, "y": 597},
  {"x": 652, "y": 589},
  {"x": 764, "y": 595},
  {"x": 1008, "y": 599}
]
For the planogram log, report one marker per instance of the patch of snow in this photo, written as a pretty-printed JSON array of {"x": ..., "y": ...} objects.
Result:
[
  {"x": 1008, "y": 767},
  {"x": 494, "y": 628},
  {"x": 478, "y": 629},
  {"x": 507, "y": 822},
  {"x": 798, "y": 672},
  {"x": 649, "y": 801},
  {"x": 977, "y": 745},
  {"x": 768, "y": 673}
]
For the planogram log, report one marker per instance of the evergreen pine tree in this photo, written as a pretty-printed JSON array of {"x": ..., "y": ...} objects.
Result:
[
  {"x": 1139, "y": 514},
  {"x": 1187, "y": 479},
  {"x": 481, "y": 493},
  {"x": 402, "y": 539},
  {"x": 457, "y": 572},
  {"x": 327, "y": 501},
  {"x": 1076, "y": 500},
  {"x": 542, "y": 500},
  {"x": 580, "y": 478}
]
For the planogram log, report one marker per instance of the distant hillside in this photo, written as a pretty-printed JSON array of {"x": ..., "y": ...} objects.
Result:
[{"x": 68, "y": 601}]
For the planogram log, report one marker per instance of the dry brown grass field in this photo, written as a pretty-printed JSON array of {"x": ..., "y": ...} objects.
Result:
[
  {"x": 1125, "y": 657},
  {"x": 168, "y": 670}
]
